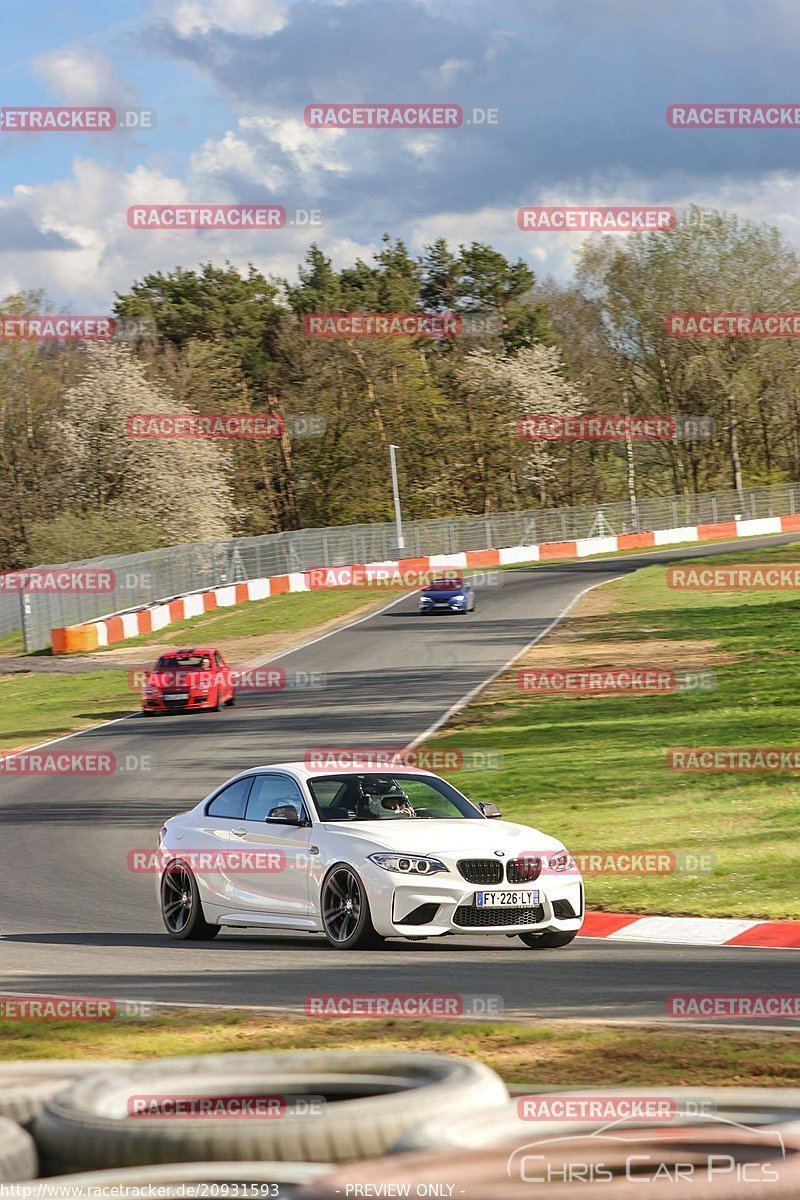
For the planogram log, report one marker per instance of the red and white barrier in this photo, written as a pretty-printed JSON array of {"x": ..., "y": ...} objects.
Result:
[
  {"x": 120, "y": 626},
  {"x": 694, "y": 931}
]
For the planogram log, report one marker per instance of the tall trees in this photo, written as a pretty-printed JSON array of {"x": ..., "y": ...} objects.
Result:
[{"x": 230, "y": 341}]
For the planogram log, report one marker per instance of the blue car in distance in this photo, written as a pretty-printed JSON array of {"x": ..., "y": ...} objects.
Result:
[{"x": 448, "y": 594}]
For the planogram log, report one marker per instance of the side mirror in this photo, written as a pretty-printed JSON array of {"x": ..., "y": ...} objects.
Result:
[
  {"x": 284, "y": 814},
  {"x": 490, "y": 810}
]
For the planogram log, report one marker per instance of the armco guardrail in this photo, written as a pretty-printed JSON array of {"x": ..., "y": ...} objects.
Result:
[
  {"x": 142, "y": 579},
  {"x": 406, "y": 572}
]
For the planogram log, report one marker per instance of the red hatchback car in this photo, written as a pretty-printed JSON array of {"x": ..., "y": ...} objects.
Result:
[{"x": 186, "y": 680}]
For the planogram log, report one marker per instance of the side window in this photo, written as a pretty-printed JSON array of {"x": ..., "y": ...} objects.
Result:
[
  {"x": 220, "y": 660},
  {"x": 231, "y": 802},
  {"x": 270, "y": 791}
]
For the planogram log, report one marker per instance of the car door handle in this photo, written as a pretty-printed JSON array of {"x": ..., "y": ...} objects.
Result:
[{"x": 239, "y": 832}]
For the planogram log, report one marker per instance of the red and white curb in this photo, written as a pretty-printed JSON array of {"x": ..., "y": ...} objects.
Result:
[
  {"x": 118, "y": 627},
  {"x": 692, "y": 931}
]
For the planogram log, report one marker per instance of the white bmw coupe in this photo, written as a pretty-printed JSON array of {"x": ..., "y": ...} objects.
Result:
[{"x": 361, "y": 857}]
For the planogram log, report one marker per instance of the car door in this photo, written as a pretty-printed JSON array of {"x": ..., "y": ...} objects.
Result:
[
  {"x": 223, "y": 674},
  {"x": 207, "y": 843},
  {"x": 282, "y": 889}
]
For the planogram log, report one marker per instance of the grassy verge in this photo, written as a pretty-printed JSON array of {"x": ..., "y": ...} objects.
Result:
[
  {"x": 37, "y": 706},
  {"x": 593, "y": 771},
  {"x": 548, "y": 1054},
  {"x": 297, "y": 612}
]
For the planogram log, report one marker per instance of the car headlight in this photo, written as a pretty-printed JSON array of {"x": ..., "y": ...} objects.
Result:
[
  {"x": 460, "y": 596},
  {"x": 425, "y": 600},
  {"x": 151, "y": 690},
  {"x": 563, "y": 861},
  {"x": 202, "y": 685},
  {"x": 408, "y": 864}
]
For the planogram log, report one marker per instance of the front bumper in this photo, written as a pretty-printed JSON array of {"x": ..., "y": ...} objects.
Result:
[
  {"x": 448, "y": 606},
  {"x": 164, "y": 704},
  {"x": 444, "y": 904}
]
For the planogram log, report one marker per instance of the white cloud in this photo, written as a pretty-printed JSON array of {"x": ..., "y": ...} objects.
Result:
[
  {"x": 448, "y": 72},
  {"x": 250, "y": 18},
  {"x": 271, "y": 152},
  {"x": 81, "y": 74}
]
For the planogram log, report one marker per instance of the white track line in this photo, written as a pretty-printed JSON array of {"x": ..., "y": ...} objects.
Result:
[{"x": 465, "y": 700}]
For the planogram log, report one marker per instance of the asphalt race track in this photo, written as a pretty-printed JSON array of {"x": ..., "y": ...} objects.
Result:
[{"x": 75, "y": 921}]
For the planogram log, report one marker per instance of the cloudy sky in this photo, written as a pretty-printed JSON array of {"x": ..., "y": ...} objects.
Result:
[{"x": 581, "y": 86}]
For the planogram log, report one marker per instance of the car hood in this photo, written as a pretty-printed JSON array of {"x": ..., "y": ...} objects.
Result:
[{"x": 479, "y": 839}]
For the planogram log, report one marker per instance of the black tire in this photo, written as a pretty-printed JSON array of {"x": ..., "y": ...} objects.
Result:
[
  {"x": 347, "y": 926},
  {"x": 551, "y": 939},
  {"x": 232, "y": 702},
  {"x": 24, "y": 1086},
  {"x": 18, "y": 1161},
  {"x": 372, "y": 1098},
  {"x": 186, "y": 921}
]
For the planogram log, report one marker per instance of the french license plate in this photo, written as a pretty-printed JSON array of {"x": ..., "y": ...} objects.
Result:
[
  {"x": 506, "y": 899},
  {"x": 177, "y": 695}
]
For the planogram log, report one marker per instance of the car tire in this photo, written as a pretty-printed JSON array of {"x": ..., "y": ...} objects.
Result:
[
  {"x": 375, "y": 1096},
  {"x": 551, "y": 939},
  {"x": 24, "y": 1086},
  {"x": 232, "y": 701},
  {"x": 757, "y": 1108},
  {"x": 187, "y": 922},
  {"x": 360, "y": 936},
  {"x": 18, "y": 1160}
]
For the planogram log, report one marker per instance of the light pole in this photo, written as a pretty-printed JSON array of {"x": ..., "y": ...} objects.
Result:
[{"x": 396, "y": 494}]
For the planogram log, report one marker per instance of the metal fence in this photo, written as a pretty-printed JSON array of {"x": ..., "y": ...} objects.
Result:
[{"x": 160, "y": 574}]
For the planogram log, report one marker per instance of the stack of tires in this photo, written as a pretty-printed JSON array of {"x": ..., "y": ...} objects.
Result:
[
  {"x": 71, "y": 1122},
  {"x": 388, "y": 1124}
]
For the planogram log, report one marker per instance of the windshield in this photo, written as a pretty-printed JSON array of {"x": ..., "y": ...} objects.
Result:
[
  {"x": 388, "y": 798},
  {"x": 184, "y": 662},
  {"x": 445, "y": 585}
]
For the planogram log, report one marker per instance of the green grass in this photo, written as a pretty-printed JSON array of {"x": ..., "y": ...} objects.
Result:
[
  {"x": 544, "y": 1054},
  {"x": 593, "y": 770},
  {"x": 36, "y": 708},
  {"x": 291, "y": 613}
]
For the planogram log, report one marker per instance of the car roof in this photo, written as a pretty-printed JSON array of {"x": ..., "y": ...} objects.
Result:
[
  {"x": 306, "y": 772},
  {"x": 188, "y": 650}
]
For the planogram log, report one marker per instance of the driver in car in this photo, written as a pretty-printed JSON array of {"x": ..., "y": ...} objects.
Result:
[{"x": 386, "y": 795}]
